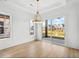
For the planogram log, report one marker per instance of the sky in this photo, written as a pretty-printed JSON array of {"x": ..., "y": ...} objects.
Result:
[{"x": 56, "y": 21}]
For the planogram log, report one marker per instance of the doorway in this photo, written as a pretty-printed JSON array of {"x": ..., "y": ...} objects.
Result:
[{"x": 53, "y": 30}]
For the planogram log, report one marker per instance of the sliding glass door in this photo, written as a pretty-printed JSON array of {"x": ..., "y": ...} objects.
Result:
[
  {"x": 46, "y": 28},
  {"x": 43, "y": 29},
  {"x": 49, "y": 31},
  {"x": 58, "y": 28},
  {"x": 53, "y": 28}
]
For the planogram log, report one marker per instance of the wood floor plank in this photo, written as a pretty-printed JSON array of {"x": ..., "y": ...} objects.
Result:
[{"x": 39, "y": 49}]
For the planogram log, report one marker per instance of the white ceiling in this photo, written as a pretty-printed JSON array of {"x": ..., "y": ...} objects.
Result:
[{"x": 44, "y": 5}]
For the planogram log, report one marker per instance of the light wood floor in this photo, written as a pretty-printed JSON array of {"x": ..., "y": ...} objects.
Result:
[{"x": 39, "y": 49}]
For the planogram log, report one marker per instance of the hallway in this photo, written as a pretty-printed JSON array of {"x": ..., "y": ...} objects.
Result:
[{"x": 39, "y": 49}]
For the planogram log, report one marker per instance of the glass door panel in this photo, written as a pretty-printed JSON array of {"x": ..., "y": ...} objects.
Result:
[
  {"x": 58, "y": 28},
  {"x": 53, "y": 28},
  {"x": 43, "y": 29},
  {"x": 49, "y": 22}
]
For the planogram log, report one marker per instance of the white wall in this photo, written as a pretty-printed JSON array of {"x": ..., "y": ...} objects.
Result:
[
  {"x": 71, "y": 14},
  {"x": 19, "y": 25}
]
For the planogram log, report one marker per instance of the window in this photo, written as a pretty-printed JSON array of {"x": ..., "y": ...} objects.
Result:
[
  {"x": 1, "y": 27},
  {"x": 53, "y": 28},
  {"x": 4, "y": 26}
]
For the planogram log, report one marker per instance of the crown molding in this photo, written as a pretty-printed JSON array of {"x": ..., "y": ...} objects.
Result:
[{"x": 18, "y": 6}]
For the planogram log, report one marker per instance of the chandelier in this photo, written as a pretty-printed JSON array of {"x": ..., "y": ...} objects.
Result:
[{"x": 37, "y": 17}]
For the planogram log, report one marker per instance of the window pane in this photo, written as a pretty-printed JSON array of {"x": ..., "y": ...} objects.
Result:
[
  {"x": 43, "y": 28},
  {"x": 49, "y": 28},
  {"x": 58, "y": 27},
  {"x": 1, "y": 27}
]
